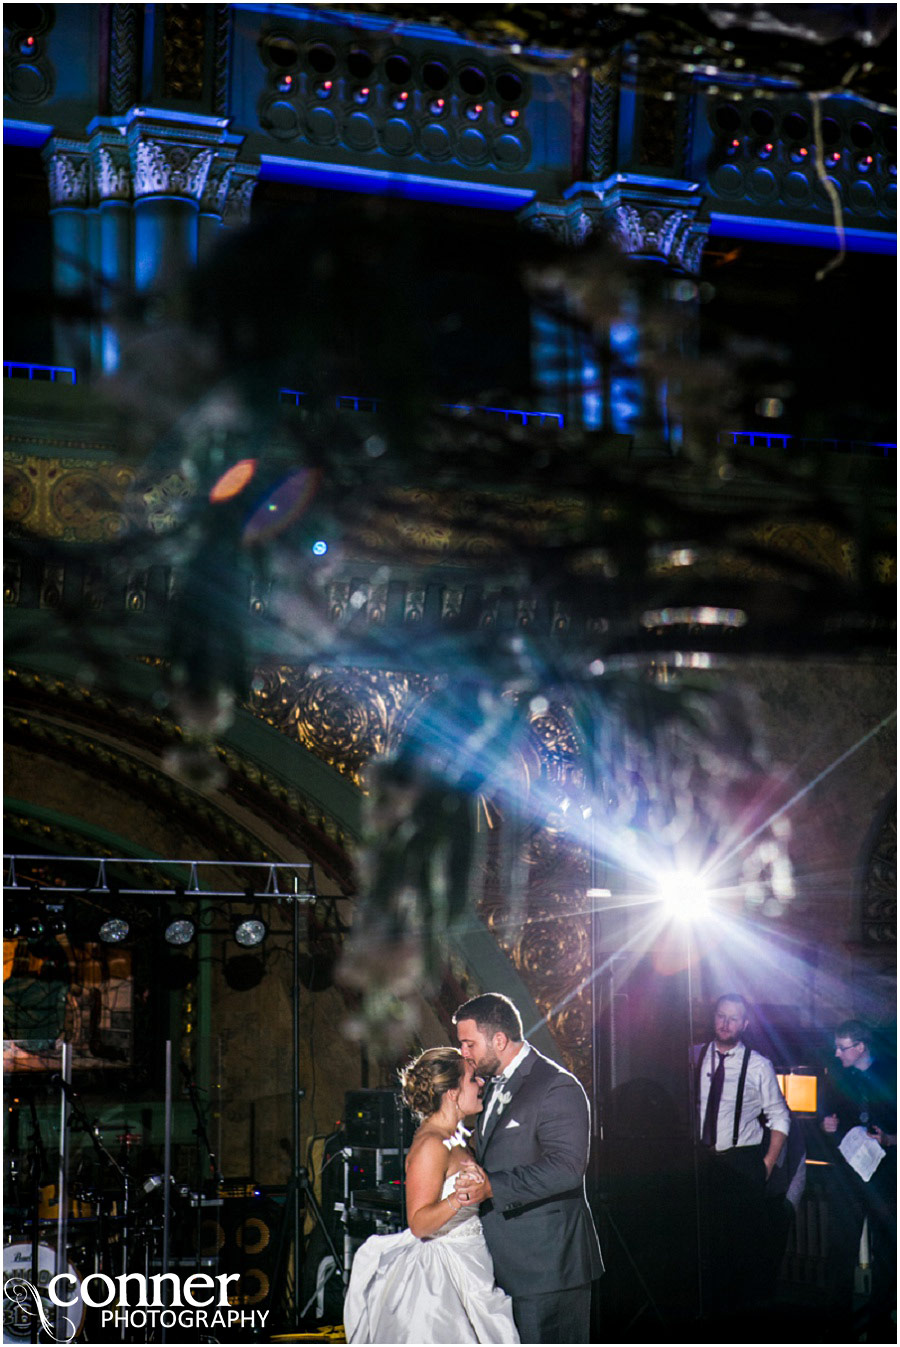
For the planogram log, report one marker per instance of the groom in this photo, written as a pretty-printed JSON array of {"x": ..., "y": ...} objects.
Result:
[{"x": 532, "y": 1143}]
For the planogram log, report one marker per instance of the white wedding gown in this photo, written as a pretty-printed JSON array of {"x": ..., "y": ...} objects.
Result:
[{"x": 440, "y": 1289}]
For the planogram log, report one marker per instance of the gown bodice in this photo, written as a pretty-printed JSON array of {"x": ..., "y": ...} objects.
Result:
[{"x": 459, "y": 1219}]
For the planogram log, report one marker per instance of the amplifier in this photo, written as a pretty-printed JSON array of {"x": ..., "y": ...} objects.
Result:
[
  {"x": 385, "y": 1198},
  {"x": 377, "y": 1119}
]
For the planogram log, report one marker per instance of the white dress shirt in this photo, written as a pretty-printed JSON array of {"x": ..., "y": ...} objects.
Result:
[
  {"x": 761, "y": 1096},
  {"x": 495, "y": 1102}
]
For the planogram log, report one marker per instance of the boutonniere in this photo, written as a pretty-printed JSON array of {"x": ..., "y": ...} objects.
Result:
[
  {"x": 460, "y": 1136},
  {"x": 503, "y": 1098}
]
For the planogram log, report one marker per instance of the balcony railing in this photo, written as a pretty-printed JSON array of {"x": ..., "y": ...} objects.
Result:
[
  {"x": 765, "y": 439},
  {"x": 17, "y": 369},
  {"x": 349, "y": 402},
  {"x": 737, "y": 439}
]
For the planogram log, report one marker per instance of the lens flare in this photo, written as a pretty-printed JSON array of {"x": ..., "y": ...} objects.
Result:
[
  {"x": 283, "y": 505},
  {"x": 683, "y": 894},
  {"x": 232, "y": 482}
]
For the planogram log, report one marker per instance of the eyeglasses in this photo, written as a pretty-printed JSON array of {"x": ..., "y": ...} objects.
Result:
[{"x": 845, "y": 1047}]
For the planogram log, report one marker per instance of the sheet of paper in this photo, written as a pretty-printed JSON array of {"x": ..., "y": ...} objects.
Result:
[{"x": 861, "y": 1152}]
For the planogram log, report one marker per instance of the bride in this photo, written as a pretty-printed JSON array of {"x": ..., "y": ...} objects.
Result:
[{"x": 434, "y": 1282}]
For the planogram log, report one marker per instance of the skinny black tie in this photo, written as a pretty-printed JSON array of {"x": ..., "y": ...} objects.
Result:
[{"x": 710, "y": 1121}]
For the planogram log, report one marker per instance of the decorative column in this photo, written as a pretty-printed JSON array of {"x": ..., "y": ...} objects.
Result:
[
  {"x": 170, "y": 166},
  {"x": 112, "y": 183},
  {"x": 212, "y": 202},
  {"x": 69, "y": 176},
  {"x": 226, "y": 198},
  {"x": 241, "y": 185},
  {"x": 660, "y": 328},
  {"x": 637, "y": 196},
  {"x": 565, "y": 369}
]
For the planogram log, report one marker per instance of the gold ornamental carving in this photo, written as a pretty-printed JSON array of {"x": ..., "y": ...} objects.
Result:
[
  {"x": 65, "y": 498},
  {"x": 344, "y": 717},
  {"x": 184, "y": 51}
]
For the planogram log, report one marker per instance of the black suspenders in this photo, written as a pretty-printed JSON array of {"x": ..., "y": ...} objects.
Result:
[{"x": 738, "y": 1103}]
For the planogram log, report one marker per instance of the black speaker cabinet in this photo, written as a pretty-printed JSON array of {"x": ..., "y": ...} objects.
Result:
[
  {"x": 377, "y": 1119},
  {"x": 242, "y": 1233}
]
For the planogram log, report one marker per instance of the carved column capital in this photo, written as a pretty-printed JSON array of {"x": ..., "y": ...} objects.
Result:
[
  {"x": 669, "y": 233},
  {"x": 111, "y": 165},
  {"x": 68, "y": 173},
  {"x": 239, "y": 193},
  {"x": 215, "y": 191},
  {"x": 163, "y": 167},
  {"x": 566, "y": 222}
]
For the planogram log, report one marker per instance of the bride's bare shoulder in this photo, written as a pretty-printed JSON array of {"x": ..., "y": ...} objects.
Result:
[{"x": 427, "y": 1142}]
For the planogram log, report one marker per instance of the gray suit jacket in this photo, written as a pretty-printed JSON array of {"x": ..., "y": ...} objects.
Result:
[{"x": 538, "y": 1225}]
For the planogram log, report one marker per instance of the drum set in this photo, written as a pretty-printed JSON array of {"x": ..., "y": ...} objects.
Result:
[{"x": 112, "y": 1221}]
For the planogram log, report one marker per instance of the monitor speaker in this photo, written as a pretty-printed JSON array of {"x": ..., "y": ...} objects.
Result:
[{"x": 242, "y": 1234}]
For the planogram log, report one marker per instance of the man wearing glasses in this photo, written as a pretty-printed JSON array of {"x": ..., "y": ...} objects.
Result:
[{"x": 864, "y": 1095}]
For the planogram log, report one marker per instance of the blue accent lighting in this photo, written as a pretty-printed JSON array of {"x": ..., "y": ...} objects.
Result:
[
  {"x": 409, "y": 186},
  {"x": 320, "y": 548},
  {"x": 799, "y": 232},
  {"x": 27, "y": 135}
]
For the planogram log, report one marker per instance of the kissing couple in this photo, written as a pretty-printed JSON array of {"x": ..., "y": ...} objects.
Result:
[{"x": 501, "y": 1246}]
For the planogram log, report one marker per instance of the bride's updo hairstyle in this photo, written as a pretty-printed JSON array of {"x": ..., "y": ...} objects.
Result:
[{"x": 425, "y": 1081}]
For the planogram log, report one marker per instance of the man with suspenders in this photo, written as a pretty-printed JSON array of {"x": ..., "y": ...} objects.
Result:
[{"x": 743, "y": 1124}]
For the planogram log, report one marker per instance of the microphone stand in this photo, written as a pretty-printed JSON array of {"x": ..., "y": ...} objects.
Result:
[
  {"x": 299, "y": 1187},
  {"x": 38, "y": 1158},
  {"x": 214, "y": 1174},
  {"x": 81, "y": 1122},
  {"x": 92, "y": 1128}
]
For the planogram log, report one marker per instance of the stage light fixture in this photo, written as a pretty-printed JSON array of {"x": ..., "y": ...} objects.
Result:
[
  {"x": 12, "y": 923},
  {"x": 180, "y": 931},
  {"x": 35, "y": 928},
  {"x": 249, "y": 931},
  {"x": 113, "y": 930},
  {"x": 244, "y": 972},
  {"x": 683, "y": 894},
  {"x": 179, "y": 970}
]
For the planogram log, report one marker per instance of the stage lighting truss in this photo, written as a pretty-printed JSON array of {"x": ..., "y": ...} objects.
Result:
[{"x": 78, "y": 896}]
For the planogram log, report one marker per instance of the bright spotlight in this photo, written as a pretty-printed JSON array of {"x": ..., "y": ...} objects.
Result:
[
  {"x": 684, "y": 894},
  {"x": 180, "y": 931},
  {"x": 114, "y": 930},
  {"x": 250, "y": 931}
]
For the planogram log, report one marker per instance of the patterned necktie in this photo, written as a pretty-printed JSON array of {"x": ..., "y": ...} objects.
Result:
[
  {"x": 486, "y": 1095},
  {"x": 710, "y": 1121}
]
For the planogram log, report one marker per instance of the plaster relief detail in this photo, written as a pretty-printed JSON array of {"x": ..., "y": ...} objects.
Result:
[
  {"x": 344, "y": 717},
  {"x": 174, "y": 170},
  {"x": 69, "y": 178},
  {"x": 112, "y": 173}
]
